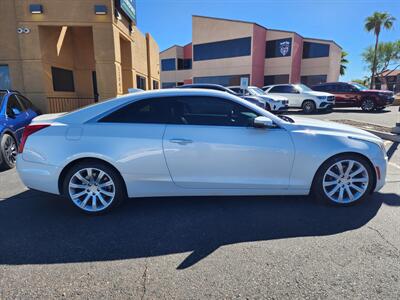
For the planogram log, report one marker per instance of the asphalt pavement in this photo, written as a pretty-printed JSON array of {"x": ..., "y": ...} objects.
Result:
[
  {"x": 387, "y": 117},
  {"x": 201, "y": 247}
]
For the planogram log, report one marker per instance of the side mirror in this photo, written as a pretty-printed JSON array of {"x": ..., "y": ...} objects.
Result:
[{"x": 263, "y": 122}]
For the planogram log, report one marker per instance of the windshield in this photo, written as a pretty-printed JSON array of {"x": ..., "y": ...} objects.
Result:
[
  {"x": 358, "y": 86},
  {"x": 256, "y": 91},
  {"x": 303, "y": 88}
]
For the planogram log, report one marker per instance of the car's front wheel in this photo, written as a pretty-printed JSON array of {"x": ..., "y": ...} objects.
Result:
[
  {"x": 309, "y": 107},
  {"x": 94, "y": 187},
  {"x": 343, "y": 180},
  {"x": 8, "y": 152}
]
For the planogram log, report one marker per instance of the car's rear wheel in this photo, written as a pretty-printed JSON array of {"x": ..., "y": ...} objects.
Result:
[
  {"x": 343, "y": 180},
  {"x": 8, "y": 152},
  {"x": 94, "y": 187},
  {"x": 368, "y": 105},
  {"x": 309, "y": 107}
]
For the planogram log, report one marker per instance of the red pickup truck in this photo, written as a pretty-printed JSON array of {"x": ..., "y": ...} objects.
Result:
[{"x": 356, "y": 95}]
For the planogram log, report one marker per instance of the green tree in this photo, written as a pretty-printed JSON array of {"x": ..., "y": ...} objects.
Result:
[
  {"x": 343, "y": 63},
  {"x": 385, "y": 55},
  {"x": 374, "y": 24}
]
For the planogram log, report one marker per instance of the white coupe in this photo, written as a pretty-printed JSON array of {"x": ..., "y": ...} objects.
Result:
[{"x": 192, "y": 142}]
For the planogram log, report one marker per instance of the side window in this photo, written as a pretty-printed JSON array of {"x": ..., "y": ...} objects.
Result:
[
  {"x": 321, "y": 88},
  {"x": 13, "y": 106},
  {"x": 212, "y": 111},
  {"x": 25, "y": 102},
  {"x": 154, "y": 111},
  {"x": 344, "y": 88},
  {"x": 287, "y": 89}
]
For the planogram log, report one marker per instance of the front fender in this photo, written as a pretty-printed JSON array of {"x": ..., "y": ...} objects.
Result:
[{"x": 314, "y": 148}]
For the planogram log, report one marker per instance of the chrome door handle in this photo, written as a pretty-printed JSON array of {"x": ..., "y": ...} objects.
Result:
[{"x": 180, "y": 141}]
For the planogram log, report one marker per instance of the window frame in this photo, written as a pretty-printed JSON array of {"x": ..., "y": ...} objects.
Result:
[
  {"x": 164, "y": 63},
  {"x": 57, "y": 85},
  {"x": 23, "y": 109},
  {"x": 308, "y": 56},
  {"x": 220, "y": 49},
  {"x": 269, "y": 48},
  {"x": 170, "y": 118}
]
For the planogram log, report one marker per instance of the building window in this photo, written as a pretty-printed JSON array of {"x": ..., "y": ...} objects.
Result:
[
  {"x": 168, "y": 85},
  {"x": 278, "y": 48},
  {"x": 155, "y": 85},
  {"x": 222, "y": 49},
  {"x": 63, "y": 80},
  {"x": 5, "y": 82},
  {"x": 222, "y": 80},
  {"x": 311, "y": 80},
  {"x": 140, "y": 82},
  {"x": 314, "y": 50},
  {"x": 184, "y": 64},
  {"x": 276, "y": 79},
  {"x": 168, "y": 64}
]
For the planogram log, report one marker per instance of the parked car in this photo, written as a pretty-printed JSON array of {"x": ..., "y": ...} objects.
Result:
[
  {"x": 357, "y": 95},
  {"x": 301, "y": 96},
  {"x": 16, "y": 111},
  {"x": 190, "y": 142},
  {"x": 273, "y": 103},
  {"x": 218, "y": 87}
]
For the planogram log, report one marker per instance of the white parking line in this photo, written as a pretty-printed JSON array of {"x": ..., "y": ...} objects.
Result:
[{"x": 394, "y": 165}]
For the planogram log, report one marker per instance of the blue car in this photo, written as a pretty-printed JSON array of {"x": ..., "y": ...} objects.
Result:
[{"x": 16, "y": 111}]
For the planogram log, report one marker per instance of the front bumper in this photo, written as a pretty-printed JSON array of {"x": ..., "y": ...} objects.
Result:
[
  {"x": 380, "y": 166},
  {"x": 326, "y": 105},
  {"x": 37, "y": 176}
]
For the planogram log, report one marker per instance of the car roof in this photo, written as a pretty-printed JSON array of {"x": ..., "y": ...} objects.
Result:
[
  {"x": 94, "y": 111},
  {"x": 280, "y": 84},
  {"x": 194, "y": 85},
  {"x": 239, "y": 87}
]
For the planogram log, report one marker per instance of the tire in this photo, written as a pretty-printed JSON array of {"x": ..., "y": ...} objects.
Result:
[
  {"x": 328, "y": 189},
  {"x": 309, "y": 107},
  {"x": 94, "y": 198},
  {"x": 368, "y": 105},
  {"x": 8, "y": 152}
]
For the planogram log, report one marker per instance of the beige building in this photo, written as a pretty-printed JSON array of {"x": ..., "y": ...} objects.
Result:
[
  {"x": 65, "y": 54},
  {"x": 222, "y": 51}
]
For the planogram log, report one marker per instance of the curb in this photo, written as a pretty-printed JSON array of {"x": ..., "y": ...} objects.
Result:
[{"x": 384, "y": 135}]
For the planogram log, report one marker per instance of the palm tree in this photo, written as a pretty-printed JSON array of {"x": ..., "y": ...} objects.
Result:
[
  {"x": 343, "y": 63},
  {"x": 375, "y": 23}
]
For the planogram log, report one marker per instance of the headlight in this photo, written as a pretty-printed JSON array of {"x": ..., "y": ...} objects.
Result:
[{"x": 321, "y": 97}]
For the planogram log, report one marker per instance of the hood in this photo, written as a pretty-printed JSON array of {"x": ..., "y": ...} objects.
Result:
[
  {"x": 274, "y": 97},
  {"x": 334, "y": 128},
  {"x": 316, "y": 93},
  {"x": 47, "y": 118}
]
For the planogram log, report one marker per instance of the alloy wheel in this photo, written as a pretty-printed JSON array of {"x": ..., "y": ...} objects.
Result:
[
  {"x": 91, "y": 189},
  {"x": 10, "y": 150},
  {"x": 368, "y": 105},
  {"x": 346, "y": 181}
]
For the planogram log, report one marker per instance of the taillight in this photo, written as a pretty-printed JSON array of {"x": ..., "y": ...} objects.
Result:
[{"x": 29, "y": 130}]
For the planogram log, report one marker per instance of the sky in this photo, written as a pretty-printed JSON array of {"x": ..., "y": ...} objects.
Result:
[{"x": 169, "y": 21}]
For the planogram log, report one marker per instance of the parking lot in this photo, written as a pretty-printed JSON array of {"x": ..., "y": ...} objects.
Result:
[
  {"x": 387, "y": 117},
  {"x": 214, "y": 247}
]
